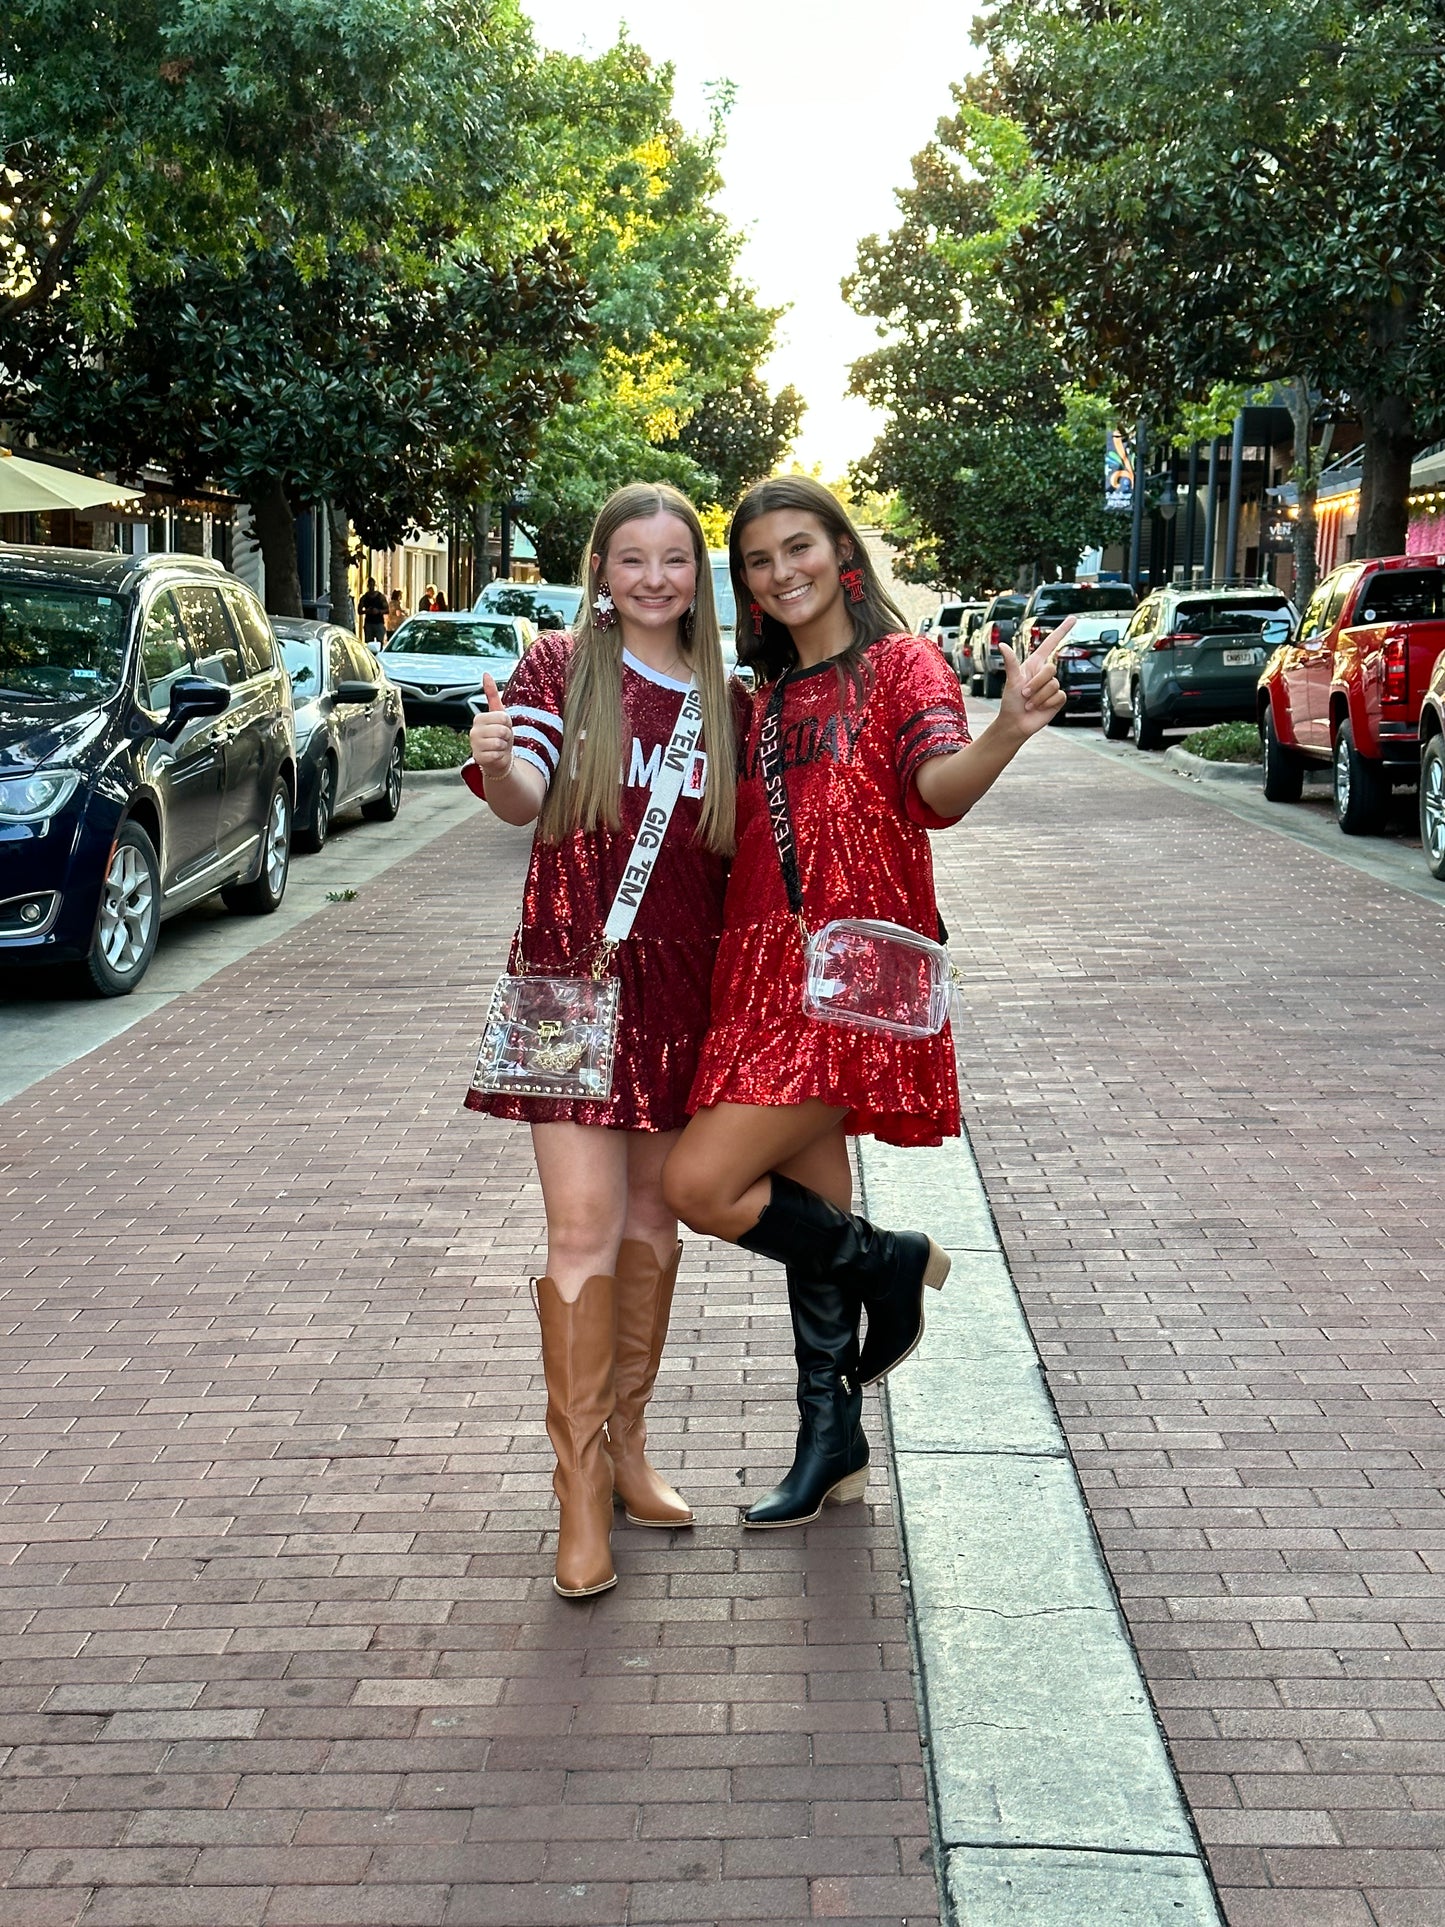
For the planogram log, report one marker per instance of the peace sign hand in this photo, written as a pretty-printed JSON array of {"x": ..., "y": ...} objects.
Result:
[
  {"x": 1031, "y": 696},
  {"x": 491, "y": 735}
]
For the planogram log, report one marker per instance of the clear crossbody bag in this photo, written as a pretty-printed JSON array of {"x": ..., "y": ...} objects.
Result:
[
  {"x": 857, "y": 971},
  {"x": 557, "y": 1036}
]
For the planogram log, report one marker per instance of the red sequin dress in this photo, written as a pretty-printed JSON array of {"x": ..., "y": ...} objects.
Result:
[
  {"x": 862, "y": 840},
  {"x": 665, "y": 966}
]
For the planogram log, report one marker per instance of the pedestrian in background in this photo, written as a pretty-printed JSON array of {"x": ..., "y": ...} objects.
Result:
[
  {"x": 576, "y": 749},
  {"x": 372, "y": 610},
  {"x": 861, "y": 728},
  {"x": 396, "y": 612},
  {"x": 439, "y": 603},
  {"x": 428, "y": 600}
]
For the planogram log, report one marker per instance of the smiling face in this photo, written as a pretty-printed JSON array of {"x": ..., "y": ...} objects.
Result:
[
  {"x": 650, "y": 570},
  {"x": 791, "y": 567}
]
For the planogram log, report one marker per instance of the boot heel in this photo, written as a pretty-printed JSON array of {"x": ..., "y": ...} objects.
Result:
[
  {"x": 850, "y": 1490},
  {"x": 938, "y": 1267}
]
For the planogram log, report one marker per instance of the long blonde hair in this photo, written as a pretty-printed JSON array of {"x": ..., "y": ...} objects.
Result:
[{"x": 592, "y": 745}]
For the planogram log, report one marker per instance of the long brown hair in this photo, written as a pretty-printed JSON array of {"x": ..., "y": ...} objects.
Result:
[
  {"x": 592, "y": 745},
  {"x": 877, "y": 614}
]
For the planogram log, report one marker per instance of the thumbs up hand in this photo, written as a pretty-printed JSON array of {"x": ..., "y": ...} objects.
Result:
[{"x": 491, "y": 735}]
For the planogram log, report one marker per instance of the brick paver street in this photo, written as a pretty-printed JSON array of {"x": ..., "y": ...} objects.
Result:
[
  {"x": 278, "y": 1642},
  {"x": 1201, "y": 1069}
]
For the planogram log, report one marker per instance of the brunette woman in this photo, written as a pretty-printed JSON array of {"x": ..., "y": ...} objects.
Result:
[
  {"x": 862, "y": 729},
  {"x": 576, "y": 749}
]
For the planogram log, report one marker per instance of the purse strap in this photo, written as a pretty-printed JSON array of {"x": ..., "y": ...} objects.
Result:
[
  {"x": 666, "y": 788},
  {"x": 775, "y": 792}
]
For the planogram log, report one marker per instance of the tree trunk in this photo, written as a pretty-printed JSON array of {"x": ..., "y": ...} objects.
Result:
[
  {"x": 1306, "y": 481},
  {"x": 1390, "y": 444},
  {"x": 275, "y": 530},
  {"x": 343, "y": 610}
]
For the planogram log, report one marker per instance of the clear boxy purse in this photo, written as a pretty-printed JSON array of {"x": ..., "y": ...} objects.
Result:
[
  {"x": 549, "y": 1037},
  {"x": 868, "y": 975},
  {"x": 557, "y": 1036},
  {"x": 877, "y": 976}
]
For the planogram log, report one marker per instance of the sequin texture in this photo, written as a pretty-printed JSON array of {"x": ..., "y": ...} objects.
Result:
[
  {"x": 863, "y": 851},
  {"x": 665, "y": 967}
]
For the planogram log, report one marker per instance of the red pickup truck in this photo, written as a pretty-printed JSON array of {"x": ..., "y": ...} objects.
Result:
[{"x": 1347, "y": 691}]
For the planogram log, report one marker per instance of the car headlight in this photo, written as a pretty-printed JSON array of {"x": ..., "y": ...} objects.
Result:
[{"x": 33, "y": 798}]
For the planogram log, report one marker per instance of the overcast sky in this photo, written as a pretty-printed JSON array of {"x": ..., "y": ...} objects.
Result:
[{"x": 834, "y": 97}]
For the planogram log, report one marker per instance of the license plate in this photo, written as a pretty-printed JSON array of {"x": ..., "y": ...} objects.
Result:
[{"x": 1239, "y": 658}]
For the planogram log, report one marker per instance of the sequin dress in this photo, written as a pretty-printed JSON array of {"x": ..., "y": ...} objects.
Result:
[
  {"x": 862, "y": 840},
  {"x": 665, "y": 966}
]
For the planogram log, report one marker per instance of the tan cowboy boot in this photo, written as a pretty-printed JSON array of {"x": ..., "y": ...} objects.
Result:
[
  {"x": 644, "y": 1303},
  {"x": 578, "y": 1344}
]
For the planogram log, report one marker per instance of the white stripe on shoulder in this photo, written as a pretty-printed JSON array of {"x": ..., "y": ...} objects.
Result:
[
  {"x": 547, "y": 718},
  {"x": 542, "y": 744}
]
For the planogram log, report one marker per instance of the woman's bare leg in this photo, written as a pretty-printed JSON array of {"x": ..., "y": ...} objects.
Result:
[
  {"x": 825, "y": 1167},
  {"x": 584, "y": 1174},
  {"x": 650, "y": 1219},
  {"x": 717, "y": 1176}
]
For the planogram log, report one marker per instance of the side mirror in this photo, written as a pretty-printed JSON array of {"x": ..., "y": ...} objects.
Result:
[
  {"x": 357, "y": 692},
  {"x": 1108, "y": 637},
  {"x": 192, "y": 696}
]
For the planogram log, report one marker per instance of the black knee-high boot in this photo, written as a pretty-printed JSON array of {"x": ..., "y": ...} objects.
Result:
[
  {"x": 886, "y": 1270},
  {"x": 830, "y": 1466}
]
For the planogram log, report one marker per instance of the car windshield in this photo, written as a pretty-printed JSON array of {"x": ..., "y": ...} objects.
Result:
[
  {"x": 303, "y": 666},
  {"x": 60, "y": 644},
  {"x": 547, "y": 607},
  {"x": 726, "y": 600},
  {"x": 1071, "y": 598},
  {"x": 421, "y": 637},
  {"x": 1269, "y": 619},
  {"x": 1403, "y": 595}
]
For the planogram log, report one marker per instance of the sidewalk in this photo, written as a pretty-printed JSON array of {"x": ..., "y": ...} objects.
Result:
[
  {"x": 1201, "y": 1071},
  {"x": 278, "y": 1642}
]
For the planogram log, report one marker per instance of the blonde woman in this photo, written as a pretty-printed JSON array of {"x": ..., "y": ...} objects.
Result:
[{"x": 574, "y": 746}]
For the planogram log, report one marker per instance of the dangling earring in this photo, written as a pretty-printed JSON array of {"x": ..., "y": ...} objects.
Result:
[
  {"x": 604, "y": 608},
  {"x": 687, "y": 616},
  {"x": 852, "y": 581},
  {"x": 755, "y": 610}
]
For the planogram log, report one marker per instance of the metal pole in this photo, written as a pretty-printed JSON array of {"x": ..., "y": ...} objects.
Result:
[
  {"x": 1136, "y": 525},
  {"x": 1211, "y": 509},
  {"x": 1236, "y": 491},
  {"x": 1191, "y": 512}
]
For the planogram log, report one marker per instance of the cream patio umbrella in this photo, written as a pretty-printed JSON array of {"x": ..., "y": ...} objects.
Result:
[{"x": 30, "y": 488}]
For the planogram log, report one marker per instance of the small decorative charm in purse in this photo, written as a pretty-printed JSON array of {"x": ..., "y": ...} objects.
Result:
[
  {"x": 557, "y": 1036},
  {"x": 857, "y": 971}
]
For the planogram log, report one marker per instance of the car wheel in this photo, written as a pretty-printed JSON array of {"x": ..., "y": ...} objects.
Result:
[
  {"x": 312, "y": 836},
  {"x": 975, "y": 684},
  {"x": 130, "y": 915},
  {"x": 1432, "y": 806},
  {"x": 1110, "y": 721},
  {"x": 264, "y": 893},
  {"x": 1284, "y": 775},
  {"x": 1362, "y": 794},
  {"x": 382, "y": 809},
  {"x": 1144, "y": 732}
]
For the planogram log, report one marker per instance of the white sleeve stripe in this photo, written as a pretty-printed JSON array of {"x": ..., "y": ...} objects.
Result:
[
  {"x": 523, "y": 755},
  {"x": 546, "y": 717},
  {"x": 525, "y": 733}
]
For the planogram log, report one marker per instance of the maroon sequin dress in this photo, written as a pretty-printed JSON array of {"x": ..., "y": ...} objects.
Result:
[
  {"x": 862, "y": 840},
  {"x": 665, "y": 966}
]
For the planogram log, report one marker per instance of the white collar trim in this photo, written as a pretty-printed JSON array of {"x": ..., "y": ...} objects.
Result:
[{"x": 648, "y": 674}]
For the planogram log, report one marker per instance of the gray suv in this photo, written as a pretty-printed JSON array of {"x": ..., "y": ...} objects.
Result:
[{"x": 1191, "y": 657}]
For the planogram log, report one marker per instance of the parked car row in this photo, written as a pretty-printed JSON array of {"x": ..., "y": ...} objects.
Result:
[{"x": 154, "y": 749}]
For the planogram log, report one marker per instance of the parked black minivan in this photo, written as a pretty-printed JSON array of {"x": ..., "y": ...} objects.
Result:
[{"x": 147, "y": 755}]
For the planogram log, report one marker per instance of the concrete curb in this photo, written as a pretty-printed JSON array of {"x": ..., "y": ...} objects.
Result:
[
  {"x": 1054, "y": 1798},
  {"x": 1202, "y": 770},
  {"x": 433, "y": 776}
]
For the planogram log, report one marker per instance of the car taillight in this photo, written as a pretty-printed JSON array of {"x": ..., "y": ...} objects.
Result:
[
  {"x": 1395, "y": 662},
  {"x": 1074, "y": 652},
  {"x": 995, "y": 636},
  {"x": 1037, "y": 632},
  {"x": 1175, "y": 638}
]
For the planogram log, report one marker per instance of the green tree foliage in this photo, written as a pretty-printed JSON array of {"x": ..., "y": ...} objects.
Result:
[
  {"x": 1243, "y": 193},
  {"x": 994, "y": 464},
  {"x": 667, "y": 387}
]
